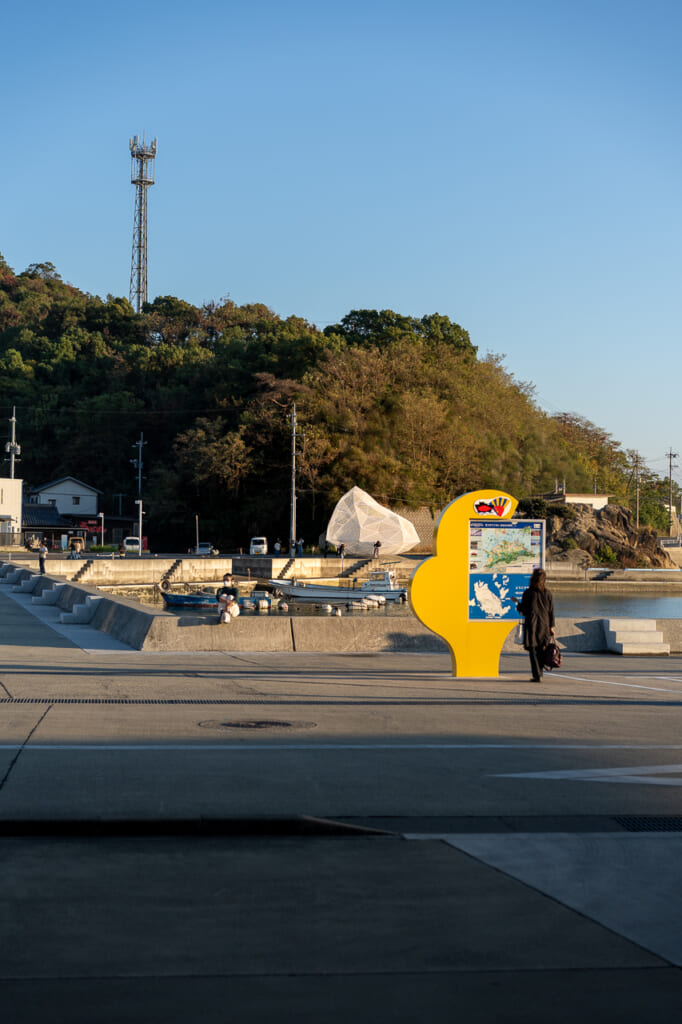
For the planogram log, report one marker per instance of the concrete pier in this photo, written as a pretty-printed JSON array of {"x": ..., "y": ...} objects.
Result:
[{"x": 307, "y": 836}]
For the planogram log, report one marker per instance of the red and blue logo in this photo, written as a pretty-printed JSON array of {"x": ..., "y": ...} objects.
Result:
[{"x": 496, "y": 507}]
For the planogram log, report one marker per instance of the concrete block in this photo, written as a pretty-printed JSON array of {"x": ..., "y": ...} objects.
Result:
[
  {"x": 634, "y": 636},
  {"x": 627, "y": 647},
  {"x": 81, "y": 613},
  {"x": 49, "y": 595},
  {"x": 27, "y": 586},
  {"x": 15, "y": 576},
  {"x": 641, "y": 625},
  {"x": 348, "y": 633},
  {"x": 195, "y": 633}
]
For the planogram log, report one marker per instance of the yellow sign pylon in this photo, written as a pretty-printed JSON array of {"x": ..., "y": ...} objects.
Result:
[{"x": 439, "y": 588}]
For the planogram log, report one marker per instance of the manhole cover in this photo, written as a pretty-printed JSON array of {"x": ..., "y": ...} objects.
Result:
[{"x": 258, "y": 723}]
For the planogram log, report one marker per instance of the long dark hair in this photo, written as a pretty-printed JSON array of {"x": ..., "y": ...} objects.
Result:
[{"x": 537, "y": 580}]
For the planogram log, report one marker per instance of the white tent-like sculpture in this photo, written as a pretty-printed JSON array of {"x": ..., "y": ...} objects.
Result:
[{"x": 358, "y": 521}]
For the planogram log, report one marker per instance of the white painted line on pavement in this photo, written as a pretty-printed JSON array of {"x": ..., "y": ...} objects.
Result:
[
  {"x": 609, "y": 682},
  {"x": 648, "y": 775}
]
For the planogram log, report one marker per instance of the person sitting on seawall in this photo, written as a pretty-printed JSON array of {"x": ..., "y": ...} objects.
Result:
[
  {"x": 228, "y": 587},
  {"x": 229, "y": 609},
  {"x": 537, "y": 607}
]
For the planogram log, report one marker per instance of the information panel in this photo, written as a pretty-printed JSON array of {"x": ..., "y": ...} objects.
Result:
[{"x": 502, "y": 556}]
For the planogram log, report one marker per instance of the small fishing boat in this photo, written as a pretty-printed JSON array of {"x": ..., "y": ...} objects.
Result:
[
  {"x": 259, "y": 601},
  {"x": 381, "y": 583},
  {"x": 189, "y": 601}
]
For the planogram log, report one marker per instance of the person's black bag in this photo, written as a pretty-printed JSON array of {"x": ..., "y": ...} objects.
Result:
[{"x": 552, "y": 656}]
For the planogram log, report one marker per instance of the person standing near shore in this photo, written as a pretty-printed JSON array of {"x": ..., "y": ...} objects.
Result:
[
  {"x": 42, "y": 555},
  {"x": 537, "y": 607}
]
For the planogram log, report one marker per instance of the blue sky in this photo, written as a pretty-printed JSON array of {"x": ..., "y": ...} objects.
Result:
[{"x": 512, "y": 164}]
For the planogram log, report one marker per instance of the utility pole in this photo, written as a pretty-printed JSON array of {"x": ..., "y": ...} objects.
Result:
[
  {"x": 142, "y": 159},
  {"x": 138, "y": 462},
  {"x": 637, "y": 490},
  {"x": 12, "y": 448},
  {"x": 671, "y": 455},
  {"x": 292, "y": 527}
]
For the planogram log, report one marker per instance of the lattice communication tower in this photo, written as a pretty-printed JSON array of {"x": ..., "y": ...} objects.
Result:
[{"x": 142, "y": 158}]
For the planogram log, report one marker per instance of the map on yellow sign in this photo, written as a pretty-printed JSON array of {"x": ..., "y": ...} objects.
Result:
[{"x": 502, "y": 556}]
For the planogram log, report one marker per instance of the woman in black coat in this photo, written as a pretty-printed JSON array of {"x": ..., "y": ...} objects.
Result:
[{"x": 537, "y": 608}]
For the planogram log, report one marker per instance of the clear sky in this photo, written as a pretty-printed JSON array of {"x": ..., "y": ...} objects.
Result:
[{"x": 512, "y": 164}]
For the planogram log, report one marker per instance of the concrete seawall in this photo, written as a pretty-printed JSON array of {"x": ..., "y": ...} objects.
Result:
[
  {"x": 102, "y": 571},
  {"x": 142, "y": 629}
]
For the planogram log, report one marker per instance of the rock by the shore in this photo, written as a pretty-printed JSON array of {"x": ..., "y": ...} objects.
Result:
[{"x": 605, "y": 536}]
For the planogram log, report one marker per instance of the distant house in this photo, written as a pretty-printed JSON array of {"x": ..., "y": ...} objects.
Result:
[
  {"x": 595, "y": 501},
  {"x": 71, "y": 497},
  {"x": 10, "y": 510},
  {"x": 66, "y": 508},
  {"x": 43, "y": 522}
]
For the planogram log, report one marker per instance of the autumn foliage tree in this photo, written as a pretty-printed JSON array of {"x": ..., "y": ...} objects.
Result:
[{"x": 399, "y": 405}]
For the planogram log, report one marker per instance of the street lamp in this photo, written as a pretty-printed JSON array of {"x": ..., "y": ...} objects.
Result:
[{"x": 101, "y": 520}]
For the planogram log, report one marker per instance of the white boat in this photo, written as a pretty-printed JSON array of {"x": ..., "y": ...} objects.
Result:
[{"x": 381, "y": 583}]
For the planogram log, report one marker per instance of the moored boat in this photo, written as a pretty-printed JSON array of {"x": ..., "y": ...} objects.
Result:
[
  {"x": 197, "y": 600},
  {"x": 203, "y": 599},
  {"x": 381, "y": 583}
]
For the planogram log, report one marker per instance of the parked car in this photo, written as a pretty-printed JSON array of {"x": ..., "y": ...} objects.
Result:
[
  {"x": 258, "y": 546},
  {"x": 204, "y": 547},
  {"x": 131, "y": 545}
]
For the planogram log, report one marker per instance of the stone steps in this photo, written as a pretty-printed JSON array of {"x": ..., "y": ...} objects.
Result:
[
  {"x": 81, "y": 613},
  {"x": 634, "y": 636},
  {"x": 27, "y": 585},
  {"x": 50, "y": 595}
]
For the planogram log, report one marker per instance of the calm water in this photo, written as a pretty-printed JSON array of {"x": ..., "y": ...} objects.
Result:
[
  {"x": 604, "y": 606},
  {"x": 151, "y": 596},
  {"x": 570, "y": 606}
]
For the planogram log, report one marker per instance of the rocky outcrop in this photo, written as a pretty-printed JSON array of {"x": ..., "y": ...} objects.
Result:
[{"x": 608, "y": 536}]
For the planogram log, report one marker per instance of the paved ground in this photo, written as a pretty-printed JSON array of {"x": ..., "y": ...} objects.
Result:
[{"x": 334, "y": 838}]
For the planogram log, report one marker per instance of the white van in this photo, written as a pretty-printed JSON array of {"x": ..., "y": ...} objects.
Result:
[
  {"x": 258, "y": 546},
  {"x": 131, "y": 545}
]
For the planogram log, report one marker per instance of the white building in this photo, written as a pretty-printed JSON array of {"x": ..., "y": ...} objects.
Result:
[
  {"x": 595, "y": 501},
  {"x": 69, "y": 496},
  {"x": 10, "y": 510}
]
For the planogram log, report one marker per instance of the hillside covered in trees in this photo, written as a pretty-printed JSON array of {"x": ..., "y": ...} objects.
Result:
[{"x": 403, "y": 407}]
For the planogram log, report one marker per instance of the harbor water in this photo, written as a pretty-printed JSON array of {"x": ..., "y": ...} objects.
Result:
[
  {"x": 617, "y": 606},
  {"x": 570, "y": 606}
]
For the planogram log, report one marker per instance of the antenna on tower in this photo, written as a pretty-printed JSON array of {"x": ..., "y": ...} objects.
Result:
[{"x": 142, "y": 158}]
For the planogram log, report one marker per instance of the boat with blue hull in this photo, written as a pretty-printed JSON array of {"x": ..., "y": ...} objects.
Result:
[
  {"x": 258, "y": 601},
  {"x": 189, "y": 601}
]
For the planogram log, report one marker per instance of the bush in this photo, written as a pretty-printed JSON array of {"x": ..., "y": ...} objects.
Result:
[
  {"x": 533, "y": 508},
  {"x": 606, "y": 555},
  {"x": 569, "y": 543},
  {"x": 538, "y": 508}
]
